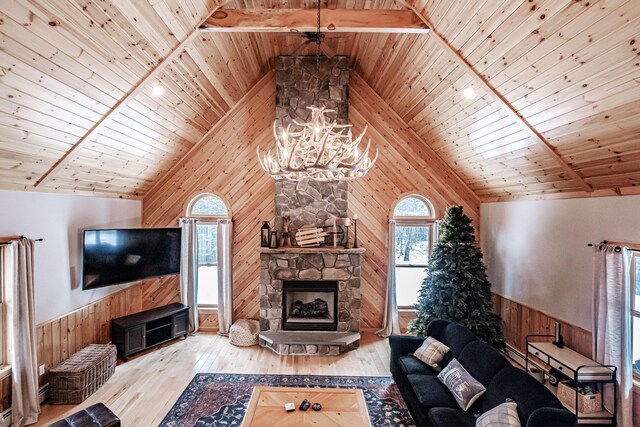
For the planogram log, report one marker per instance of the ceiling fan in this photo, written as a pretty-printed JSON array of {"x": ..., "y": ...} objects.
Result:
[{"x": 315, "y": 38}]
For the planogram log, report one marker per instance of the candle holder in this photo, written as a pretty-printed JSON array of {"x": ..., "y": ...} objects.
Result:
[
  {"x": 347, "y": 223},
  {"x": 559, "y": 340},
  {"x": 355, "y": 232}
]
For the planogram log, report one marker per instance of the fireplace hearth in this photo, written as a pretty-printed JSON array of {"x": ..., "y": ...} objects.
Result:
[{"x": 309, "y": 305}]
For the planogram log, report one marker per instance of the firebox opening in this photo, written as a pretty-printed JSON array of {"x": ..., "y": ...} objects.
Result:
[{"x": 310, "y": 305}]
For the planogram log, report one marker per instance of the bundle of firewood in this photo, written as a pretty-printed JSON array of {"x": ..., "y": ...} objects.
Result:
[{"x": 310, "y": 236}]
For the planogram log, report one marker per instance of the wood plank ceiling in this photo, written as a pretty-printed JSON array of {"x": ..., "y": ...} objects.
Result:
[{"x": 570, "y": 69}]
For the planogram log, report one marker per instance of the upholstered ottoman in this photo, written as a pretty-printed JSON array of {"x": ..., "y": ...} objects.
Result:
[
  {"x": 97, "y": 415},
  {"x": 78, "y": 377},
  {"x": 244, "y": 332}
]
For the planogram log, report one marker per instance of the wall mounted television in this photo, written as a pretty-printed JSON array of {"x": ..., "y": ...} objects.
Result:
[{"x": 116, "y": 256}]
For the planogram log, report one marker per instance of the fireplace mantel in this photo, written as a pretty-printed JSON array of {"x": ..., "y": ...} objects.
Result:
[{"x": 313, "y": 250}]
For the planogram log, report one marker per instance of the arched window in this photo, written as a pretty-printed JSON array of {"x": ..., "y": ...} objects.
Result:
[
  {"x": 208, "y": 205},
  {"x": 415, "y": 224},
  {"x": 208, "y": 209}
]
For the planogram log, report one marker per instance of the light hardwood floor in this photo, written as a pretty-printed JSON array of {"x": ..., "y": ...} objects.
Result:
[{"x": 143, "y": 389}]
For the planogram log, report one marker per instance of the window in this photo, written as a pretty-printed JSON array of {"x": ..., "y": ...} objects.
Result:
[
  {"x": 415, "y": 235},
  {"x": 635, "y": 308},
  {"x": 208, "y": 209}
]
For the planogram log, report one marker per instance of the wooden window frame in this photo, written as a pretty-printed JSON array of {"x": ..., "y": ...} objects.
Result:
[{"x": 415, "y": 221}]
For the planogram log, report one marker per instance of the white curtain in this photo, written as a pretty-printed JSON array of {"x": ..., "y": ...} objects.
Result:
[
  {"x": 612, "y": 339},
  {"x": 18, "y": 270},
  {"x": 189, "y": 270},
  {"x": 225, "y": 276},
  {"x": 390, "y": 325}
]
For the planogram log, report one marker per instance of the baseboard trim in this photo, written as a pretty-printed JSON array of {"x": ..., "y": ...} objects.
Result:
[{"x": 5, "y": 416}]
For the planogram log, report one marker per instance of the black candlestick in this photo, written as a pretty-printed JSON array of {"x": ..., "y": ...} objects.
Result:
[
  {"x": 355, "y": 233},
  {"x": 346, "y": 237}
]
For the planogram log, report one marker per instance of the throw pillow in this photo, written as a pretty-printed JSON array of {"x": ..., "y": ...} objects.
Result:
[
  {"x": 504, "y": 415},
  {"x": 461, "y": 384},
  {"x": 431, "y": 352}
]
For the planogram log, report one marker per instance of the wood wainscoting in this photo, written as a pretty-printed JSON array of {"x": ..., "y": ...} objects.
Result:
[
  {"x": 61, "y": 337},
  {"x": 519, "y": 320}
]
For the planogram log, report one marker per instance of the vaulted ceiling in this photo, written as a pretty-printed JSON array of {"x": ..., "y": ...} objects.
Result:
[{"x": 557, "y": 82}]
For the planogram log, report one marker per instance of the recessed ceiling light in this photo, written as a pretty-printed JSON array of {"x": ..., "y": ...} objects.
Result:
[
  {"x": 469, "y": 93},
  {"x": 157, "y": 90}
]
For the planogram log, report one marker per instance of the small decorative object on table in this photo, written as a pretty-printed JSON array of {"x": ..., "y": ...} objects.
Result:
[
  {"x": 559, "y": 341},
  {"x": 285, "y": 239},
  {"x": 346, "y": 223},
  {"x": 273, "y": 240},
  {"x": 311, "y": 236},
  {"x": 265, "y": 234},
  {"x": 289, "y": 407},
  {"x": 355, "y": 231}
]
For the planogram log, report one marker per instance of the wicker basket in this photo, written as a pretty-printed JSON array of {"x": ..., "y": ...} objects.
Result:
[
  {"x": 78, "y": 377},
  {"x": 587, "y": 403}
]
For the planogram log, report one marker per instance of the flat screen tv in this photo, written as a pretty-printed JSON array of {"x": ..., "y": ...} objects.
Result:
[{"x": 116, "y": 256}]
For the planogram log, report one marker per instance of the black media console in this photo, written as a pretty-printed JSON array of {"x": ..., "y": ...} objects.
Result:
[{"x": 140, "y": 331}]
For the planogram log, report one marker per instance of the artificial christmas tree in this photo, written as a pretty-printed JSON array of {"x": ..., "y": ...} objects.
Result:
[{"x": 456, "y": 287}]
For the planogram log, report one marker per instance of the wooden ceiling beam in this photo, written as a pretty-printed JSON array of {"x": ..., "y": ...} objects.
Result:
[
  {"x": 121, "y": 104},
  {"x": 305, "y": 20},
  {"x": 501, "y": 100}
]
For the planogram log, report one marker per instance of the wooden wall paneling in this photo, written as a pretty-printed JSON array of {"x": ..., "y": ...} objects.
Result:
[
  {"x": 59, "y": 338},
  {"x": 216, "y": 167},
  {"x": 520, "y": 320}
]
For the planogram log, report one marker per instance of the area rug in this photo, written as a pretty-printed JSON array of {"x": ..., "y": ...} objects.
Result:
[{"x": 222, "y": 399}]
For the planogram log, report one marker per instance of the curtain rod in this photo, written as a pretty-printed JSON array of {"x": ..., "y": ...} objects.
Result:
[
  {"x": 21, "y": 237},
  {"x": 632, "y": 246},
  {"x": 203, "y": 218}
]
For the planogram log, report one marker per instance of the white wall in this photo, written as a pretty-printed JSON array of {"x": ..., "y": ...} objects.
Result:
[
  {"x": 59, "y": 220},
  {"x": 536, "y": 251}
]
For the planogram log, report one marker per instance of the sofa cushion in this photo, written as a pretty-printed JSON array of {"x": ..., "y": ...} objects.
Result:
[
  {"x": 431, "y": 352},
  {"x": 455, "y": 337},
  {"x": 430, "y": 391},
  {"x": 448, "y": 417},
  {"x": 515, "y": 384},
  {"x": 465, "y": 389},
  {"x": 503, "y": 415},
  {"x": 413, "y": 365},
  {"x": 482, "y": 361}
]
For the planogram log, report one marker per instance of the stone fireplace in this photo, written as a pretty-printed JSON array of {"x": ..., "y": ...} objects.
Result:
[
  {"x": 318, "y": 279},
  {"x": 310, "y": 297}
]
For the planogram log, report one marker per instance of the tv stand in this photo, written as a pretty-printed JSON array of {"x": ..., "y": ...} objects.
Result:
[{"x": 140, "y": 331}]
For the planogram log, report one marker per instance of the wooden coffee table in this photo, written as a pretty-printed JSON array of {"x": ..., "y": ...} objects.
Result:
[{"x": 340, "y": 407}]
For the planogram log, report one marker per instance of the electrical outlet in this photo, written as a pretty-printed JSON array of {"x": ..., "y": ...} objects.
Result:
[{"x": 41, "y": 370}]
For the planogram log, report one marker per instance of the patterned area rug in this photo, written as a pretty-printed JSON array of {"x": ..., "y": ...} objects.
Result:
[{"x": 222, "y": 399}]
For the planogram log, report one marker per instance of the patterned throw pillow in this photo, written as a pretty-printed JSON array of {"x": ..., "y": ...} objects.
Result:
[
  {"x": 461, "y": 384},
  {"x": 431, "y": 352},
  {"x": 505, "y": 415}
]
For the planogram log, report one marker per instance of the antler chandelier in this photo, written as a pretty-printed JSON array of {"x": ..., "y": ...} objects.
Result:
[{"x": 319, "y": 149}]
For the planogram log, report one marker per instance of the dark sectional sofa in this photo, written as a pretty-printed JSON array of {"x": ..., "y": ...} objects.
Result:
[{"x": 430, "y": 402}]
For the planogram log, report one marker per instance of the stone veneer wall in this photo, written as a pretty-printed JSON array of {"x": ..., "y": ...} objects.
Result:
[
  {"x": 310, "y": 202},
  {"x": 276, "y": 267},
  {"x": 297, "y": 82}
]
